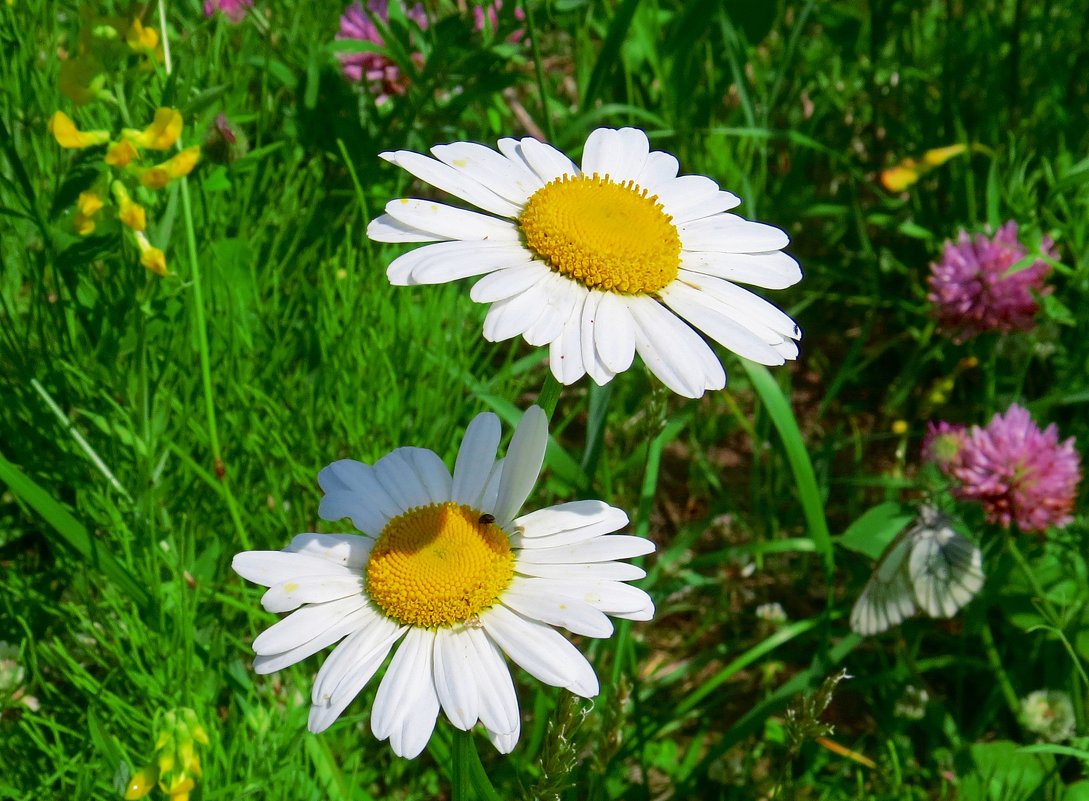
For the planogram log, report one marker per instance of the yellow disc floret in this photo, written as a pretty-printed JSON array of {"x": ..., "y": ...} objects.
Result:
[
  {"x": 438, "y": 565},
  {"x": 603, "y": 234}
]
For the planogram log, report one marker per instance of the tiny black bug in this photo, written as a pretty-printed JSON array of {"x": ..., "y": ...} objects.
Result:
[{"x": 486, "y": 519}]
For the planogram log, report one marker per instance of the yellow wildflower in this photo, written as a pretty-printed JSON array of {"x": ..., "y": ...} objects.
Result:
[
  {"x": 140, "y": 38},
  {"x": 129, "y": 212},
  {"x": 141, "y": 783},
  {"x": 177, "y": 167},
  {"x": 87, "y": 207},
  {"x": 69, "y": 136},
  {"x": 899, "y": 427},
  {"x": 121, "y": 154},
  {"x": 901, "y": 176},
  {"x": 940, "y": 155},
  {"x": 155, "y": 260},
  {"x": 161, "y": 134}
]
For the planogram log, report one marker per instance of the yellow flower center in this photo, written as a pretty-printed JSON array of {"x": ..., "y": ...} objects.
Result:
[
  {"x": 603, "y": 234},
  {"x": 438, "y": 565}
]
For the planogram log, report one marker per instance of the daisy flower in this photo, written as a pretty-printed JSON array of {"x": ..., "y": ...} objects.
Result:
[
  {"x": 446, "y": 567},
  {"x": 599, "y": 262}
]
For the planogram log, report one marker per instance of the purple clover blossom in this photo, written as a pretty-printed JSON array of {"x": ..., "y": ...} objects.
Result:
[
  {"x": 973, "y": 290},
  {"x": 942, "y": 443},
  {"x": 486, "y": 16},
  {"x": 383, "y": 75},
  {"x": 1019, "y": 473},
  {"x": 233, "y": 10}
]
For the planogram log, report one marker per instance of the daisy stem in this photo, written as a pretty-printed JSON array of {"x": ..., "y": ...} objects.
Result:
[
  {"x": 550, "y": 394},
  {"x": 468, "y": 777}
]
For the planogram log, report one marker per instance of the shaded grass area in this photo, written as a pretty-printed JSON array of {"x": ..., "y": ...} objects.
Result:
[{"x": 115, "y": 569}]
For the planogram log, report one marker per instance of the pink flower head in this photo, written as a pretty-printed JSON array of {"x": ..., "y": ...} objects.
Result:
[
  {"x": 973, "y": 290},
  {"x": 234, "y": 10},
  {"x": 487, "y": 16},
  {"x": 380, "y": 72},
  {"x": 1018, "y": 472},
  {"x": 942, "y": 444}
]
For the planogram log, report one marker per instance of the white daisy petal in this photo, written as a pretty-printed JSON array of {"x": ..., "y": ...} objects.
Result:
[
  {"x": 504, "y": 743},
  {"x": 525, "y": 456},
  {"x": 449, "y": 222},
  {"x": 475, "y": 459},
  {"x": 448, "y": 179},
  {"x": 561, "y": 296},
  {"x": 508, "y": 282},
  {"x": 384, "y": 228},
  {"x": 408, "y": 679},
  {"x": 694, "y": 197},
  {"x": 498, "y": 703},
  {"x": 271, "y": 567},
  {"x": 659, "y": 169},
  {"x": 614, "y": 334},
  {"x": 348, "y": 669},
  {"x": 671, "y": 350},
  {"x": 291, "y": 594},
  {"x": 744, "y": 304},
  {"x": 618, "y": 154},
  {"x": 452, "y": 261},
  {"x": 455, "y": 677},
  {"x": 353, "y": 491},
  {"x": 509, "y": 318},
  {"x": 771, "y": 270},
  {"x": 432, "y": 473},
  {"x": 589, "y": 571},
  {"x": 396, "y": 475},
  {"x": 565, "y": 516},
  {"x": 578, "y": 532},
  {"x": 595, "y": 367},
  {"x": 540, "y": 651},
  {"x": 565, "y": 353},
  {"x": 728, "y": 233},
  {"x": 512, "y": 149},
  {"x": 508, "y": 179},
  {"x": 611, "y": 597},
  {"x": 334, "y": 629},
  {"x": 715, "y": 321},
  {"x": 556, "y": 609},
  {"x": 546, "y": 161},
  {"x": 301, "y": 626},
  {"x": 349, "y": 550},
  {"x": 491, "y": 487},
  {"x": 600, "y": 549}
]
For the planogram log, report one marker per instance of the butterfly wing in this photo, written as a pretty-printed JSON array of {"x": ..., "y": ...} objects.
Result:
[
  {"x": 888, "y": 597},
  {"x": 945, "y": 569}
]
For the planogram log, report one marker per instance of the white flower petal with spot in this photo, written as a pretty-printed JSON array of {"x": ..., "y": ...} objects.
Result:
[
  {"x": 566, "y": 574},
  {"x": 590, "y": 328}
]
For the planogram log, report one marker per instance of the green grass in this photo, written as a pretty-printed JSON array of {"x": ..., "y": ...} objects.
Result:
[{"x": 116, "y": 533}]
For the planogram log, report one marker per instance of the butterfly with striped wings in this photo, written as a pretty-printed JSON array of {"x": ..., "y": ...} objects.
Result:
[{"x": 927, "y": 567}]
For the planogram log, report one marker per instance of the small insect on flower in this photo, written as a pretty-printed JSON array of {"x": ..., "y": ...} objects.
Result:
[
  {"x": 929, "y": 566},
  {"x": 486, "y": 519}
]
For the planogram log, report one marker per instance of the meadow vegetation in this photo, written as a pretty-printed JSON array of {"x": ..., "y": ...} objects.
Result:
[{"x": 161, "y": 412}]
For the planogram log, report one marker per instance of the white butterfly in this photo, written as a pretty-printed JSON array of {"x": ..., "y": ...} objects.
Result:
[{"x": 929, "y": 566}]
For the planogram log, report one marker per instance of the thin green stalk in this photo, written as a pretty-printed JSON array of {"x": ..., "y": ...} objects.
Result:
[
  {"x": 995, "y": 661},
  {"x": 550, "y": 394},
  {"x": 199, "y": 319},
  {"x": 468, "y": 778}
]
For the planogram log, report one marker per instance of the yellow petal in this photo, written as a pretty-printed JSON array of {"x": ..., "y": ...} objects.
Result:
[
  {"x": 940, "y": 155},
  {"x": 141, "y": 783},
  {"x": 155, "y": 260},
  {"x": 183, "y": 163},
  {"x": 69, "y": 136},
  {"x": 900, "y": 177},
  {"x": 121, "y": 154},
  {"x": 83, "y": 225},
  {"x": 161, "y": 134},
  {"x": 155, "y": 177},
  {"x": 133, "y": 215},
  {"x": 89, "y": 203},
  {"x": 140, "y": 38}
]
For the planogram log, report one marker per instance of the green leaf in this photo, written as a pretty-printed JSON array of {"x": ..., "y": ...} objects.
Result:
[
  {"x": 778, "y": 407},
  {"x": 1001, "y": 771},
  {"x": 72, "y": 532},
  {"x": 871, "y": 533}
]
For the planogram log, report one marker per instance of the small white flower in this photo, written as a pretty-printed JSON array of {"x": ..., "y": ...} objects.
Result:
[
  {"x": 771, "y": 613},
  {"x": 598, "y": 262},
  {"x": 446, "y": 567},
  {"x": 1050, "y": 714}
]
